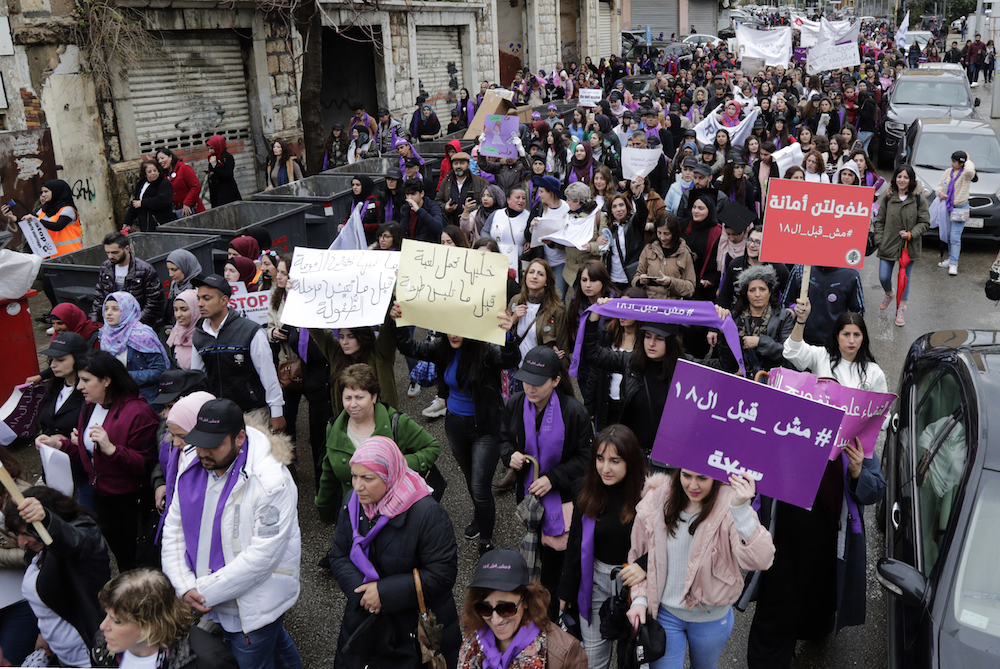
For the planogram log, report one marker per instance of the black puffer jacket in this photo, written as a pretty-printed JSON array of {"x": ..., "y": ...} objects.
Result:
[
  {"x": 421, "y": 537},
  {"x": 197, "y": 649},
  {"x": 770, "y": 348},
  {"x": 157, "y": 206},
  {"x": 141, "y": 281}
]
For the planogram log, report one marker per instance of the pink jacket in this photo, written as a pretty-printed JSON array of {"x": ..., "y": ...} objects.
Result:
[{"x": 717, "y": 553}]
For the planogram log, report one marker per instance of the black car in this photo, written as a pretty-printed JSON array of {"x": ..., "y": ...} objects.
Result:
[
  {"x": 942, "y": 506},
  {"x": 932, "y": 93}
]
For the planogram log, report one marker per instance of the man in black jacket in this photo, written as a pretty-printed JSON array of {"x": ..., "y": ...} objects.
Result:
[
  {"x": 458, "y": 187},
  {"x": 123, "y": 271},
  {"x": 554, "y": 428},
  {"x": 421, "y": 218}
]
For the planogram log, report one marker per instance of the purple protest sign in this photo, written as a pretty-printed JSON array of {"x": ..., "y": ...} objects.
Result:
[
  {"x": 21, "y": 410},
  {"x": 864, "y": 410},
  {"x": 799, "y": 54},
  {"x": 500, "y": 130},
  {"x": 717, "y": 424}
]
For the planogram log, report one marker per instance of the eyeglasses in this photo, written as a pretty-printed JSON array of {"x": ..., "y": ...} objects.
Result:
[
  {"x": 503, "y": 609},
  {"x": 753, "y": 242}
]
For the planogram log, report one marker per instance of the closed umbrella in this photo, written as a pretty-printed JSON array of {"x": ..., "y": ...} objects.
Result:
[
  {"x": 904, "y": 260},
  {"x": 530, "y": 511}
]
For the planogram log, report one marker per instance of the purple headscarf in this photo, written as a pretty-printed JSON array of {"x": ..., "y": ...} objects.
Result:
[{"x": 130, "y": 332}]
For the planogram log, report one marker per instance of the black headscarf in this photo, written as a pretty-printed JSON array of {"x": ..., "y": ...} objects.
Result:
[
  {"x": 367, "y": 187},
  {"x": 62, "y": 196},
  {"x": 676, "y": 129},
  {"x": 603, "y": 123}
]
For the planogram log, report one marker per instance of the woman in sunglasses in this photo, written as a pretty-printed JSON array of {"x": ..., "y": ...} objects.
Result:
[{"x": 506, "y": 620}]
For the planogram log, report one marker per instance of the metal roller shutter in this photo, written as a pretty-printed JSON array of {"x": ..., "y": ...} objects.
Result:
[
  {"x": 604, "y": 12},
  {"x": 191, "y": 92},
  {"x": 439, "y": 67},
  {"x": 662, "y": 16},
  {"x": 703, "y": 15}
]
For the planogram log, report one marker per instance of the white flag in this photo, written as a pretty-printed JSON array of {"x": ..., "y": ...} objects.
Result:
[
  {"x": 808, "y": 31},
  {"x": 837, "y": 47},
  {"x": 774, "y": 46},
  {"x": 710, "y": 125},
  {"x": 787, "y": 157},
  {"x": 901, "y": 33},
  {"x": 352, "y": 237}
]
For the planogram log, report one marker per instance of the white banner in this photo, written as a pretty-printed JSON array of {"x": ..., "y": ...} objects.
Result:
[
  {"x": 709, "y": 125},
  {"x": 38, "y": 237},
  {"x": 575, "y": 232},
  {"x": 786, "y": 157},
  {"x": 590, "y": 97},
  {"x": 339, "y": 289},
  {"x": 901, "y": 32},
  {"x": 639, "y": 162},
  {"x": 808, "y": 31},
  {"x": 774, "y": 46},
  {"x": 837, "y": 47}
]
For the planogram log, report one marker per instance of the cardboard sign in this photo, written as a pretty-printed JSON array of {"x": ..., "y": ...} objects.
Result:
[
  {"x": 590, "y": 97},
  {"x": 21, "y": 410},
  {"x": 717, "y": 424},
  {"x": 816, "y": 224},
  {"x": 493, "y": 103},
  {"x": 639, "y": 162},
  {"x": 451, "y": 289},
  {"x": 339, "y": 289},
  {"x": 38, "y": 237},
  {"x": 864, "y": 410},
  {"x": 500, "y": 132}
]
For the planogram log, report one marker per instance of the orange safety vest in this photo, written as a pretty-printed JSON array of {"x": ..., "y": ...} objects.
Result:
[{"x": 68, "y": 239}]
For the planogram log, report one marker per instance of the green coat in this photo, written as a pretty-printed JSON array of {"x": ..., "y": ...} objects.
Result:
[
  {"x": 419, "y": 448},
  {"x": 382, "y": 360},
  {"x": 894, "y": 216}
]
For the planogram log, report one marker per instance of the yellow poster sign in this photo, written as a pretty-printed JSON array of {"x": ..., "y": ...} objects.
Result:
[{"x": 453, "y": 290}]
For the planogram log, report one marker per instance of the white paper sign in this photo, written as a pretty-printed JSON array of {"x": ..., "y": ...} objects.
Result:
[
  {"x": 786, "y": 157},
  {"x": 774, "y": 46},
  {"x": 38, "y": 237},
  {"x": 808, "y": 31},
  {"x": 340, "y": 289},
  {"x": 590, "y": 97},
  {"x": 58, "y": 473},
  {"x": 542, "y": 227},
  {"x": 837, "y": 47},
  {"x": 575, "y": 232},
  {"x": 639, "y": 162},
  {"x": 252, "y": 305}
]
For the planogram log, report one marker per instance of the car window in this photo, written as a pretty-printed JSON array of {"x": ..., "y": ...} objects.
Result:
[
  {"x": 977, "y": 588},
  {"x": 935, "y": 149},
  {"x": 942, "y": 453},
  {"x": 934, "y": 93}
]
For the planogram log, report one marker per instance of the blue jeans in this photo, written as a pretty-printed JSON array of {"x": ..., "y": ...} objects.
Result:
[
  {"x": 269, "y": 647},
  {"x": 866, "y": 139},
  {"x": 885, "y": 272},
  {"x": 704, "y": 641},
  {"x": 477, "y": 455},
  {"x": 18, "y": 631},
  {"x": 561, "y": 285},
  {"x": 955, "y": 241}
]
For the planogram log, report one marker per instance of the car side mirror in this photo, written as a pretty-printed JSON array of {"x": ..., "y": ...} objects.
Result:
[
  {"x": 975, "y": 179},
  {"x": 976, "y": 104},
  {"x": 903, "y": 581}
]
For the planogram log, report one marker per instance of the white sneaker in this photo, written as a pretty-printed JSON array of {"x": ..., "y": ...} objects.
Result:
[
  {"x": 953, "y": 270},
  {"x": 414, "y": 389},
  {"x": 437, "y": 408},
  {"x": 944, "y": 263},
  {"x": 50, "y": 331}
]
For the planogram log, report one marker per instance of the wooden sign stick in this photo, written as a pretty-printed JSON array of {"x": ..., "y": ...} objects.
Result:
[{"x": 15, "y": 494}]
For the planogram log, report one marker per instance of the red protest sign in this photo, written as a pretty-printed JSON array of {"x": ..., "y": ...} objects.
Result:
[{"x": 816, "y": 224}]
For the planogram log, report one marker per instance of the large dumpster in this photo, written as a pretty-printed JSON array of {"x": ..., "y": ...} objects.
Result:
[
  {"x": 435, "y": 149},
  {"x": 285, "y": 222},
  {"x": 74, "y": 275},
  {"x": 323, "y": 192}
]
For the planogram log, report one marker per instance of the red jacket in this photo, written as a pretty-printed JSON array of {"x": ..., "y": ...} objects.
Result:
[
  {"x": 131, "y": 426},
  {"x": 186, "y": 187}
]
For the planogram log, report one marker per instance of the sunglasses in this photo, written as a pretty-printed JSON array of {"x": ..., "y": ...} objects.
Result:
[{"x": 503, "y": 609}]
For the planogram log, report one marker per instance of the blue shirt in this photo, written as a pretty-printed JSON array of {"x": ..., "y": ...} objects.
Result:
[{"x": 459, "y": 402}]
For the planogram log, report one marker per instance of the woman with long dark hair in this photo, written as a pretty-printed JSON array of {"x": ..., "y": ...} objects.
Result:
[
  {"x": 600, "y": 535},
  {"x": 539, "y": 317},
  {"x": 336, "y": 147},
  {"x": 282, "y": 165},
  {"x": 666, "y": 265},
  {"x": 602, "y": 394},
  {"x": 473, "y": 220},
  {"x": 152, "y": 202},
  {"x": 702, "y": 237},
  {"x": 353, "y": 345},
  {"x": 624, "y": 222},
  {"x": 183, "y": 181}
]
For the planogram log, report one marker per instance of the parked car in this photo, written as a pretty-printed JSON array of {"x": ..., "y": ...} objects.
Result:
[
  {"x": 918, "y": 94},
  {"x": 942, "y": 506},
  {"x": 928, "y": 145},
  {"x": 639, "y": 84},
  {"x": 700, "y": 40}
]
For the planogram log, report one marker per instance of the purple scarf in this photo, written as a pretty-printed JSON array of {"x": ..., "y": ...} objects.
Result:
[
  {"x": 130, "y": 331},
  {"x": 169, "y": 463},
  {"x": 950, "y": 202},
  {"x": 303, "y": 344},
  {"x": 360, "y": 544},
  {"x": 488, "y": 644},
  {"x": 584, "y": 598},
  {"x": 546, "y": 446},
  {"x": 679, "y": 312},
  {"x": 191, "y": 488},
  {"x": 468, "y": 109}
]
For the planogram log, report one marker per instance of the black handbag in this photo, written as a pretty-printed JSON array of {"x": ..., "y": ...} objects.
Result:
[
  {"x": 376, "y": 645},
  {"x": 614, "y": 624}
]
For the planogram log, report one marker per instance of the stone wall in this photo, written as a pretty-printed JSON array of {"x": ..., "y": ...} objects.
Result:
[
  {"x": 281, "y": 68},
  {"x": 548, "y": 35},
  {"x": 487, "y": 58},
  {"x": 402, "y": 96}
]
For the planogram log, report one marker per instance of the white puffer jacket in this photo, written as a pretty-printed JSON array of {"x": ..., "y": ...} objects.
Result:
[{"x": 262, "y": 565}]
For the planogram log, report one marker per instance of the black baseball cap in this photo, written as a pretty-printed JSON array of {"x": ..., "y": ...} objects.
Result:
[
  {"x": 412, "y": 161},
  {"x": 690, "y": 161},
  {"x": 661, "y": 329},
  {"x": 703, "y": 169},
  {"x": 66, "y": 343},
  {"x": 736, "y": 217},
  {"x": 503, "y": 569},
  {"x": 393, "y": 173},
  {"x": 216, "y": 419},
  {"x": 736, "y": 158},
  {"x": 175, "y": 383},
  {"x": 539, "y": 365},
  {"x": 213, "y": 281}
]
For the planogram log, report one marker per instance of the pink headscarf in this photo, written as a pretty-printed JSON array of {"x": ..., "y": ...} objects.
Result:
[
  {"x": 403, "y": 485},
  {"x": 731, "y": 121},
  {"x": 184, "y": 413},
  {"x": 182, "y": 337}
]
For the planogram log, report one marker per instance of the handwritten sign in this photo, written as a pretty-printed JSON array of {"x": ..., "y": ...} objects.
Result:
[
  {"x": 252, "y": 305},
  {"x": 459, "y": 291},
  {"x": 590, "y": 97},
  {"x": 639, "y": 162},
  {"x": 339, "y": 289},
  {"x": 816, "y": 224},
  {"x": 717, "y": 424},
  {"x": 38, "y": 237},
  {"x": 864, "y": 410},
  {"x": 21, "y": 410},
  {"x": 500, "y": 132}
]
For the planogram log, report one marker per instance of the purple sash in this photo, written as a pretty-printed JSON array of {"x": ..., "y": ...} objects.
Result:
[
  {"x": 360, "y": 544},
  {"x": 191, "y": 488},
  {"x": 492, "y": 656},
  {"x": 586, "y": 595},
  {"x": 546, "y": 446},
  {"x": 169, "y": 463}
]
